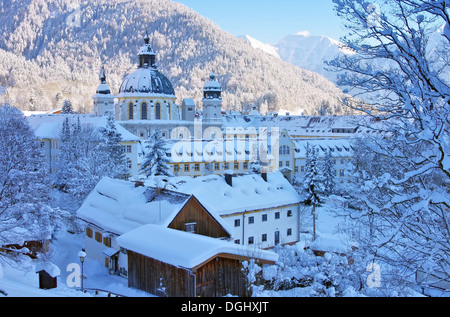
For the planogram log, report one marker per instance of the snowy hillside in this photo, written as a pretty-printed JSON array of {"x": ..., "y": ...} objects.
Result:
[{"x": 53, "y": 50}]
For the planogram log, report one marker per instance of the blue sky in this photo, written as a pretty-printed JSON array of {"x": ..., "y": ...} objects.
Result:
[{"x": 270, "y": 20}]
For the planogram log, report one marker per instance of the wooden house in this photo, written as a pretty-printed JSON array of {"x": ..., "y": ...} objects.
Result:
[
  {"x": 165, "y": 242},
  {"x": 174, "y": 263},
  {"x": 116, "y": 207}
]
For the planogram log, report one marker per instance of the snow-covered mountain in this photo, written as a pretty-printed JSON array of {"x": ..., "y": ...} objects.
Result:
[
  {"x": 306, "y": 51},
  {"x": 51, "y": 50}
]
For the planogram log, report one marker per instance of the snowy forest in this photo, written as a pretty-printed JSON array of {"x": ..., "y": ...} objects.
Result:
[
  {"x": 394, "y": 207},
  {"x": 53, "y": 50}
]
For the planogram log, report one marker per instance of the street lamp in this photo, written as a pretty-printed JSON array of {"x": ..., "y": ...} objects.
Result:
[{"x": 82, "y": 255}]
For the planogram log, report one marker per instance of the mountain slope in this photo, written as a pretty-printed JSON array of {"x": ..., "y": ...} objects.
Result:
[
  {"x": 52, "y": 50},
  {"x": 305, "y": 51}
]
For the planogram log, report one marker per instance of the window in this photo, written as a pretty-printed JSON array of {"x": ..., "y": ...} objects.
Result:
[
  {"x": 89, "y": 232},
  {"x": 264, "y": 217},
  {"x": 284, "y": 150},
  {"x": 236, "y": 166},
  {"x": 197, "y": 167},
  {"x": 144, "y": 111},
  {"x": 126, "y": 148},
  {"x": 107, "y": 241},
  {"x": 216, "y": 166},
  {"x": 251, "y": 220},
  {"x": 130, "y": 111},
  {"x": 129, "y": 164},
  {"x": 226, "y": 165},
  {"x": 277, "y": 215},
  {"x": 342, "y": 173},
  {"x": 289, "y": 213},
  {"x": 264, "y": 237},
  {"x": 158, "y": 111},
  {"x": 281, "y": 164},
  {"x": 250, "y": 240},
  {"x": 302, "y": 169},
  {"x": 176, "y": 168},
  {"x": 296, "y": 169},
  {"x": 98, "y": 236},
  {"x": 190, "y": 227},
  {"x": 237, "y": 222},
  {"x": 245, "y": 165},
  {"x": 186, "y": 167},
  {"x": 287, "y": 164},
  {"x": 237, "y": 241},
  {"x": 289, "y": 231}
]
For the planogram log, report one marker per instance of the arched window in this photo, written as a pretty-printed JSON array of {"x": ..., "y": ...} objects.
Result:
[
  {"x": 130, "y": 111},
  {"x": 144, "y": 111},
  {"x": 158, "y": 111}
]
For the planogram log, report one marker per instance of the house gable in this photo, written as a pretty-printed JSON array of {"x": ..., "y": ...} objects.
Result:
[{"x": 194, "y": 217}]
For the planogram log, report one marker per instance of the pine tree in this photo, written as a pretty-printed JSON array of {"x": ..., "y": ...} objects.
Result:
[
  {"x": 67, "y": 107},
  {"x": 313, "y": 182},
  {"x": 155, "y": 161},
  {"x": 328, "y": 171},
  {"x": 115, "y": 155}
]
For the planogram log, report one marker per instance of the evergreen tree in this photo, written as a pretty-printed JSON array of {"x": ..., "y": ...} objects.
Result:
[
  {"x": 329, "y": 174},
  {"x": 112, "y": 147},
  {"x": 67, "y": 107},
  {"x": 155, "y": 161},
  {"x": 313, "y": 182}
]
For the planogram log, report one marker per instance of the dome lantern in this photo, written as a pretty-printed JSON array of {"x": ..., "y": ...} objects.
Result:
[{"x": 147, "y": 57}]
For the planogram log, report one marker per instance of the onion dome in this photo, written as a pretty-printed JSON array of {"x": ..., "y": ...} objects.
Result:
[
  {"x": 147, "y": 78},
  {"x": 103, "y": 88},
  {"x": 212, "y": 88}
]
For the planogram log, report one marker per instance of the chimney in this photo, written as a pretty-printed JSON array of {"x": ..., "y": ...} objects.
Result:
[{"x": 229, "y": 178}]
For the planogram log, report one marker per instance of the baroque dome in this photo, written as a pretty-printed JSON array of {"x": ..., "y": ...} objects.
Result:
[{"x": 147, "y": 79}]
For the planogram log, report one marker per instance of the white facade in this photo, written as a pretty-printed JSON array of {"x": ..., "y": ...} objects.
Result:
[{"x": 47, "y": 128}]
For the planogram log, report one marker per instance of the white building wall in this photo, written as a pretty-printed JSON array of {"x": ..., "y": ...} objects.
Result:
[{"x": 252, "y": 228}]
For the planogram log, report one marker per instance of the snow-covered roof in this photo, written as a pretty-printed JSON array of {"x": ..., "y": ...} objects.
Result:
[
  {"x": 216, "y": 150},
  {"x": 317, "y": 126},
  {"x": 48, "y": 126},
  {"x": 338, "y": 147},
  {"x": 183, "y": 249},
  {"x": 248, "y": 192},
  {"x": 118, "y": 206}
]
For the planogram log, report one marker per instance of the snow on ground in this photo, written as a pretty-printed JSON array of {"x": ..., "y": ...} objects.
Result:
[{"x": 24, "y": 282}]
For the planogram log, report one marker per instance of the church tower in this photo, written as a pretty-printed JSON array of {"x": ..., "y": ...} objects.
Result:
[
  {"x": 103, "y": 99},
  {"x": 212, "y": 100}
]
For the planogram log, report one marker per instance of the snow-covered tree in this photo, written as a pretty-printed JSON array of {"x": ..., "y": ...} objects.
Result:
[
  {"x": 25, "y": 214},
  {"x": 401, "y": 69},
  {"x": 67, "y": 107},
  {"x": 329, "y": 173},
  {"x": 114, "y": 154},
  {"x": 313, "y": 179},
  {"x": 155, "y": 160},
  {"x": 313, "y": 182}
]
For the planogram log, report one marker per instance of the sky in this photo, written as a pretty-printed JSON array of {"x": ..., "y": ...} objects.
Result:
[{"x": 270, "y": 20}]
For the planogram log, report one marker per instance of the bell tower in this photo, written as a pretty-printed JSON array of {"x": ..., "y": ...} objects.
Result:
[
  {"x": 212, "y": 100},
  {"x": 103, "y": 99}
]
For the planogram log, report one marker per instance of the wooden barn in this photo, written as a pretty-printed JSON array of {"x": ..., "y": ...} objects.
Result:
[{"x": 173, "y": 263}]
